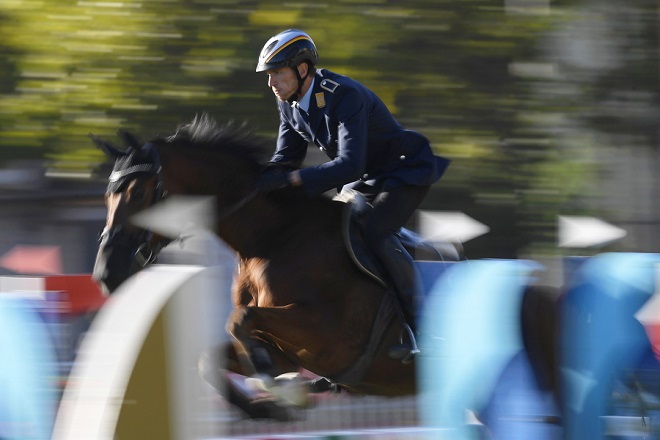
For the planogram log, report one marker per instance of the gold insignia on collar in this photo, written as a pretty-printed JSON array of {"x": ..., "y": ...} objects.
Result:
[{"x": 320, "y": 99}]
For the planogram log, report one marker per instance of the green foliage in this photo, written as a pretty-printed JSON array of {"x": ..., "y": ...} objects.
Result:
[{"x": 472, "y": 75}]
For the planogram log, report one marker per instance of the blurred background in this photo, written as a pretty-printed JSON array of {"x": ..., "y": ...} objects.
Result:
[{"x": 546, "y": 107}]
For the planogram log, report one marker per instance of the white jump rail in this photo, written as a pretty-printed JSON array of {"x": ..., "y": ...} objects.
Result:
[{"x": 136, "y": 369}]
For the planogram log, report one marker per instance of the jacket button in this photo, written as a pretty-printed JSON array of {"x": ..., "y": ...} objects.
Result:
[{"x": 403, "y": 157}]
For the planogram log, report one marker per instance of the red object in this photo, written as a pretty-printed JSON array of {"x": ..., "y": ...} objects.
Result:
[
  {"x": 36, "y": 260},
  {"x": 649, "y": 316},
  {"x": 82, "y": 294},
  {"x": 653, "y": 332}
]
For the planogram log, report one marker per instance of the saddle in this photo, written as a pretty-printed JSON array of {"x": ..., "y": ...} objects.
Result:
[{"x": 365, "y": 259}]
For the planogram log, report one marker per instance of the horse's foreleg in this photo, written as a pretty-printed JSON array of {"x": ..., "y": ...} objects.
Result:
[
  {"x": 213, "y": 364},
  {"x": 299, "y": 335},
  {"x": 266, "y": 357},
  {"x": 216, "y": 366},
  {"x": 254, "y": 354}
]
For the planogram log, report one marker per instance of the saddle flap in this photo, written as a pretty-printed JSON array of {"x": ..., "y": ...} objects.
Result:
[{"x": 362, "y": 256}]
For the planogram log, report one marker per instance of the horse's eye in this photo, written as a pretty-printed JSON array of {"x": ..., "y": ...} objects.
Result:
[{"x": 138, "y": 195}]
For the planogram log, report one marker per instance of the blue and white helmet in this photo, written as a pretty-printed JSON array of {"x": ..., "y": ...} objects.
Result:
[{"x": 287, "y": 49}]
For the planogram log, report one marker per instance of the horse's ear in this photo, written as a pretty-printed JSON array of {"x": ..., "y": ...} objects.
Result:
[
  {"x": 129, "y": 139},
  {"x": 110, "y": 150}
]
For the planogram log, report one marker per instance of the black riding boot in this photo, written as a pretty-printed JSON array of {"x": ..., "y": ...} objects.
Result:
[{"x": 401, "y": 268}]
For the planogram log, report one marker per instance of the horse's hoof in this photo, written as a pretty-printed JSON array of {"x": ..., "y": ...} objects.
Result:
[
  {"x": 291, "y": 390},
  {"x": 273, "y": 409},
  {"x": 322, "y": 385}
]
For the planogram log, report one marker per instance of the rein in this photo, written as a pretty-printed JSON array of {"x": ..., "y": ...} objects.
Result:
[
  {"x": 146, "y": 252},
  {"x": 238, "y": 205}
]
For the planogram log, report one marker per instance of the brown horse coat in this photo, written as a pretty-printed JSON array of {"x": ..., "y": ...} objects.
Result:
[{"x": 297, "y": 294}]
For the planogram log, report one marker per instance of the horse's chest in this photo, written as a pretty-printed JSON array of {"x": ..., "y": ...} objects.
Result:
[{"x": 265, "y": 286}]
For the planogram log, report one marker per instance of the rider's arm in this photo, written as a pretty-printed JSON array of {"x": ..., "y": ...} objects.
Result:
[
  {"x": 291, "y": 147},
  {"x": 351, "y": 114}
]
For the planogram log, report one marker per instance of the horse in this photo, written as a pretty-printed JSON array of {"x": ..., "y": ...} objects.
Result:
[{"x": 300, "y": 300}]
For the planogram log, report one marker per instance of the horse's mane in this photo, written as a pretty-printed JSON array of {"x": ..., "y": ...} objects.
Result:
[
  {"x": 205, "y": 133},
  {"x": 235, "y": 139}
]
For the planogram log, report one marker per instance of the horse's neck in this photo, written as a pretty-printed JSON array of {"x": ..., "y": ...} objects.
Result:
[
  {"x": 249, "y": 229},
  {"x": 268, "y": 224}
]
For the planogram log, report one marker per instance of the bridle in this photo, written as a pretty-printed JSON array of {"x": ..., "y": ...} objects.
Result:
[{"x": 148, "y": 250}]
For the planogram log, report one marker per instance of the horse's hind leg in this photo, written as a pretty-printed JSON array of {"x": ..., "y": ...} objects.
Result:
[{"x": 539, "y": 319}]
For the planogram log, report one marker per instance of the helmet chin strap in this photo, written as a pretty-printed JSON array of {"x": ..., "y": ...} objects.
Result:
[{"x": 301, "y": 81}]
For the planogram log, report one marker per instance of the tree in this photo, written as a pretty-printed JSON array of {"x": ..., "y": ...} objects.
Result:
[{"x": 489, "y": 82}]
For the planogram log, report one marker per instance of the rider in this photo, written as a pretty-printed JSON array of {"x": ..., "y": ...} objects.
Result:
[{"x": 369, "y": 150}]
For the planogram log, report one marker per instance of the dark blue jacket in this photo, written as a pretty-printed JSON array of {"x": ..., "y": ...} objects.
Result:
[{"x": 358, "y": 133}]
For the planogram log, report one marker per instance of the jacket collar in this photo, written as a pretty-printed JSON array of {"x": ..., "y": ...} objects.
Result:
[
  {"x": 305, "y": 100},
  {"x": 315, "y": 112}
]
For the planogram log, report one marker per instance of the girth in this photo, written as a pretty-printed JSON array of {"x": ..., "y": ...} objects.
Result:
[{"x": 355, "y": 373}]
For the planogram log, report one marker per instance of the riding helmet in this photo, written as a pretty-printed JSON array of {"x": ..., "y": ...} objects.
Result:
[{"x": 287, "y": 49}]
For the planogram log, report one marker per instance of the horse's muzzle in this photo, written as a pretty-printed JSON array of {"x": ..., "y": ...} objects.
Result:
[{"x": 115, "y": 259}]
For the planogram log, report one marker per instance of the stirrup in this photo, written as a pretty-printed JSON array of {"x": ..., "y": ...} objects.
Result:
[
  {"x": 413, "y": 341},
  {"x": 404, "y": 351}
]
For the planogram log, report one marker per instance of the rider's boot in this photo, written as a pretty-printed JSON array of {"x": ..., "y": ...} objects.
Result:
[{"x": 401, "y": 269}]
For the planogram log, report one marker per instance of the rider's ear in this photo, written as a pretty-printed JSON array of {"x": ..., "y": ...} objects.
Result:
[{"x": 303, "y": 69}]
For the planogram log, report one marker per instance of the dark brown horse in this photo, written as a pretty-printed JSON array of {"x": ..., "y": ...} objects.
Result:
[{"x": 300, "y": 299}]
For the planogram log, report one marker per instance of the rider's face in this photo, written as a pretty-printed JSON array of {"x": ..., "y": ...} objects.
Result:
[{"x": 282, "y": 82}]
